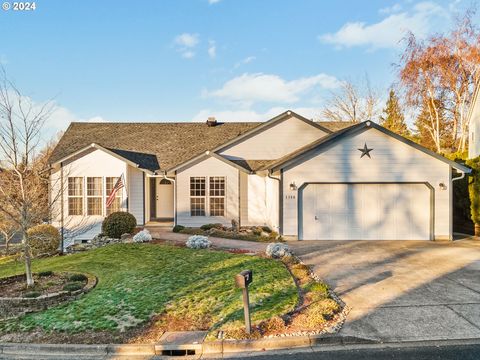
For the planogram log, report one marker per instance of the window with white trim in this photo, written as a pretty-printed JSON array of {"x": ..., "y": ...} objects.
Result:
[
  {"x": 117, "y": 202},
  {"x": 217, "y": 195},
  {"x": 94, "y": 196},
  {"x": 75, "y": 196},
  {"x": 197, "y": 196}
]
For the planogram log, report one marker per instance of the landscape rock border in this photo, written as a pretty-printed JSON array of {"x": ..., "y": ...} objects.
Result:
[{"x": 13, "y": 307}]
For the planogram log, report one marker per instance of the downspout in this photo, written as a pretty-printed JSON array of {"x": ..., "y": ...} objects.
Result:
[
  {"x": 174, "y": 197},
  {"x": 459, "y": 177},
  {"x": 269, "y": 174},
  {"x": 62, "y": 190}
]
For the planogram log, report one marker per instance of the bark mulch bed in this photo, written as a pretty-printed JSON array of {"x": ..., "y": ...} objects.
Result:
[{"x": 46, "y": 282}]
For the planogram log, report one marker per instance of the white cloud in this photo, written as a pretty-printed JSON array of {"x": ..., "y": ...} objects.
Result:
[
  {"x": 420, "y": 19},
  {"x": 61, "y": 117},
  {"x": 252, "y": 115},
  {"x": 211, "y": 2},
  {"x": 212, "y": 49},
  {"x": 390, "y": 9},
  {"x": 259, "y": 87},
  {"x": 247, "y": 60},
  {"x": 187, "y": 54},
  {"x": 186, "y": 42}
]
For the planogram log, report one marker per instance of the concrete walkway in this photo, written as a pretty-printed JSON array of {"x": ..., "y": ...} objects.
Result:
[
  {"x": 402, "y": 290},
  {"x": 168, "y": 235}
]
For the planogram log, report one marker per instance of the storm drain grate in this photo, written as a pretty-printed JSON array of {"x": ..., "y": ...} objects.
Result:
[{"x": 178, "y": 352}]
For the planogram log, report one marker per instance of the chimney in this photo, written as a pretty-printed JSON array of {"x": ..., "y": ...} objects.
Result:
[{"x": 211, "y": 121}]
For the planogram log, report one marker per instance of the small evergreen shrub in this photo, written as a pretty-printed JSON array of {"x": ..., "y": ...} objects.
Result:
[
  {"x": 43, "y": 239},
  {"x": 73, "y": 286},
  {"x": 78, "y": 277},
  {"x": 45, "y": 273},
  {"x": 142, "y": 236},
  {"x": 266, "y": 229},
  {"x": 178, "y": 228},
  {"x": 207, "y": 227},
  {"x": 118, "y": 223},
  {"x": 32, "y": 294},
  {"x": 198, "y": 242}
]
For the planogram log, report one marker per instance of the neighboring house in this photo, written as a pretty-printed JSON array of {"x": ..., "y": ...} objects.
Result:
[
  {"x": 305, "y": 179},
  {"x": 474, "y": 126}
]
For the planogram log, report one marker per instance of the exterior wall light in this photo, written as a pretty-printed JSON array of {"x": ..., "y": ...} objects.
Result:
[
  {"x": 293, "y": 187},
  {"x": 442, "y": 186}
]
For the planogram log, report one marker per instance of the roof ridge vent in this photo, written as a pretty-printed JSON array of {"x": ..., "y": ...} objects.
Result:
[{"x": 211, "y": 121}]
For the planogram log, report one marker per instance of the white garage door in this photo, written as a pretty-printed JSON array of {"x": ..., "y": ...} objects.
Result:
[{"x": 366, "y": 212}]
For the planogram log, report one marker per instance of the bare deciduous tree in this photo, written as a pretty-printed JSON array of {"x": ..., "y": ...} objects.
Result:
[
  {"x": 354, "y": 102},
  {"x": 22, "y": 181},
  {"x": 442, "y": 72}
]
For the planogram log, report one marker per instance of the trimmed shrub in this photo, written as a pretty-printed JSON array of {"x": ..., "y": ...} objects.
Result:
[
  {"x": 178, "y": 228},
  {"x": 43, "y": 239},
  {"x": 266, "y": 229},
  {"x": 278, "y": 250},
  {"x": 198, "y": 242},
  {"x": 118, "y": 223},
  {"x": 142, "y": 236},
  {"x": 45, "y": 273},
  {"x": 207, "y": 227},
  {"x": 78, "y": 277},
  {"x": 73, "y": 286},
  {"x": 32, "y": 294}
]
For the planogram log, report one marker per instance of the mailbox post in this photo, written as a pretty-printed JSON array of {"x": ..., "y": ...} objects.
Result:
[{"x": 242, "y": 280}]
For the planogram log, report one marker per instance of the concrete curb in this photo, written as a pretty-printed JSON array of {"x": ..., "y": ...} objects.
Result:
[
  {"x": 215, "y": 348},
  {"x": 209, "y": 348},
  {"x": 77, "y": 349}
]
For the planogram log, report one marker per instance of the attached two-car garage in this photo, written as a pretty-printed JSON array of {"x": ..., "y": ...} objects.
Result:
[
  {"x": 366, "y": 211},
  {"x": 367, "y": 183}
]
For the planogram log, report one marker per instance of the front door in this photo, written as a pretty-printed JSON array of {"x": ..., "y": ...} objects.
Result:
[{"x": 164, "y": 200}]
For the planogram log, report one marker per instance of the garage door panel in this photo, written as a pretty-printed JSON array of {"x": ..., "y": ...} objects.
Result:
[{"x": 366, "y": 212}]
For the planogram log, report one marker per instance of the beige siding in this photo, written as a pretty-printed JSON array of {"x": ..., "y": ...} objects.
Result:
[
  {"x": 259, "y": 205},
  {"x": 392, "y": 161},
  {"x": 208, "y": 167},
  {"x": 244, "y": 196},
  {"x": 94, "y": 163},
  {"x": 135, "y": 193},
  {"x": 274, "y": 142}
]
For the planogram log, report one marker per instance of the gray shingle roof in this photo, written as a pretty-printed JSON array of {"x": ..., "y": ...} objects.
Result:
[
  {"x": 155, "y": 146},
  {"x": 151, "y": 145}
]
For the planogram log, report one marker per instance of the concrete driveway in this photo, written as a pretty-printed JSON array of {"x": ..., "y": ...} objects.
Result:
[{"x": 402, "y": 290}]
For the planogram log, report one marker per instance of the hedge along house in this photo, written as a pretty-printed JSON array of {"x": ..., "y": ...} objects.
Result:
[{"x": 305, "y": 179}]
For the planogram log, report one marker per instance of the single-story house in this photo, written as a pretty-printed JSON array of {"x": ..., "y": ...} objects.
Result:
[{"x": 305, "y": 179}]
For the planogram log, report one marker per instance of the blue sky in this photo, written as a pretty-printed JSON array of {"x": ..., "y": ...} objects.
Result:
[{"x": 187, "y": 60}]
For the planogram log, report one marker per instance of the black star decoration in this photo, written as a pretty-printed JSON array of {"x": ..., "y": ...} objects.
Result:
[{"x": 365, "y": 151}]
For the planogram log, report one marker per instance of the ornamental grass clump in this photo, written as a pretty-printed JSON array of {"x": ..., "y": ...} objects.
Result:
[
  {"x": 198, "y": 242},
  {"x": 278, "y": 251},
  {"x": 142, "y": 236}
]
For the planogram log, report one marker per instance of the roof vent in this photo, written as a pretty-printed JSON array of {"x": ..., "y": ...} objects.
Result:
[{"x": 211, "y": 121}]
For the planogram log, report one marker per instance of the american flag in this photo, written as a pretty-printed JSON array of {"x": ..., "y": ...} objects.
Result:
[{"x": 118, "y": 185}]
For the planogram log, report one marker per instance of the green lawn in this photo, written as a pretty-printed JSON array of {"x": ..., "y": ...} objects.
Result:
[{"x": 138, "y": 281}]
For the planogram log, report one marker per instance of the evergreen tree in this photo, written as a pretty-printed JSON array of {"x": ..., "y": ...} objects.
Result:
[{"x": 392, "y": 117}]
